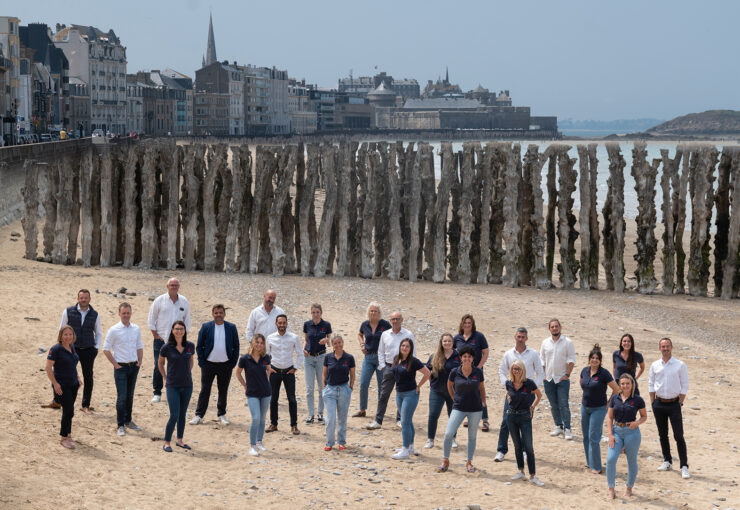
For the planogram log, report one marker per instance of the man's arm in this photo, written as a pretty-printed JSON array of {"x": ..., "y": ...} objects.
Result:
[
  {"x": 235, "y": 350},
  {"x": 107, "y": 346},
  {"x": 381, "y": 351},
  {"x": 98, "y": 332},
  {"x": 651, "y": 384},
  {"x": 250, "y": 327},
  {"x": 186, "y": 314},
  {"x": 298, "y": 353},
  {"x": 139, "y": 347},
  {"x": 539, "y": 371},
  {"x": 152, "y": 319},
  {"x": 65, "y": 320},
  {"x": 200, "y": 348},
  {"x": 503, "y": 369},
  {"x": 683, "y": 377}
]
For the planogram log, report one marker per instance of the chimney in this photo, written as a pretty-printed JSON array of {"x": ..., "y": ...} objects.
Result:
[{"x": 59, "y": 27}]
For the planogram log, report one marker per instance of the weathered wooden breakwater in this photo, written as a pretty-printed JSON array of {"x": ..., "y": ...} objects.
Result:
[{"x": 383, "y": 215}]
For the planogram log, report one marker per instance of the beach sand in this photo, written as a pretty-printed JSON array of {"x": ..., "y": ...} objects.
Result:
[{"x": 295, "y": 472}]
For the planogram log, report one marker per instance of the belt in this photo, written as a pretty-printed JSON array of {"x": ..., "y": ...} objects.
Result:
[
  {"x": 281, "y": 370},
  {"x": 128, "y": 363},
  {"x": 389, "y": 365},
  {"x": 666, "y": 400},
  {"x": 314, "y": 354},
  {"x": 621, "y": 424},
  {"x": 518, "y": 411}
]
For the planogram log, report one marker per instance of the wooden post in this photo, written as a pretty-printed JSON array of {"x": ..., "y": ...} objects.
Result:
[
  {"x": 646, "y": 243},
  {"x": 64, "y": 211},
  {"x": 733, "y": 238},
  {"x": 486, "y": 171},
  {"x": 173, "y": 216},
  {"x": 395, "y": 255},
  {"x": 191, "y": 184},
  {"x": 235, "y": 213},
  {"x": 86, "y": 220},
  {"x": 245, "y": 160},
  {"x": 129, "y": 187},
  {"x": 413, "y": 215},
  {"x": 616, "y": 215},
  {"x": 50, "y": 208},
  {"x": 465, "y": 215},
  {"x": 552, "y": 204},
  {"x": 308, "y": 236},
  {"x": 533, "y": 164},
  {"x": 511, "y": 218},
  {"x": 343, "y": 192},
  {"x": 288, "y": 159},
  {"x": 367, "y": 265},
  {"x": 74, "y": 163},
  {"x": 224, "y": 191},
  {"x": 328, "y": 159},
  {"x": 680, "y": 187},
  {"x": 567, "y": 234},
  {"x": 670, "y": 171},
  {"x": 722, "y": 221},
  {"x": 702, "y": 198},
  {"x": 30, "y": 208},
  {"x": 149, "y": 241}
]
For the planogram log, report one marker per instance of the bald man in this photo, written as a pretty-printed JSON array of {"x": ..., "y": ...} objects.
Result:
[
  {"x": 165, "y": 310},
  {"x": 262, "y": 319}
]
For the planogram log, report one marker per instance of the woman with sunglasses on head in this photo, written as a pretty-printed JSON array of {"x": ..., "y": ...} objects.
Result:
[
  {"x": 628, "y": 361},
  {"x": 404, "y": 368},
  {"x": 522, "y": 395},
  {"x": 178, "y": 353},
  {"x": 338, "y": 381},
  {"x": 256, "y": 367},
  {"x": 470, "y": 336},
  {"x": 61, "y": 369},
  {"x": 440, "y": 364}
]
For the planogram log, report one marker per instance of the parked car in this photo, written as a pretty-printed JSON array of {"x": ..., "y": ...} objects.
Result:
[
  {"x": 35, "y": 138},
  {"x": 98, "y": 133},
  {"x": 46, "y": 137}
]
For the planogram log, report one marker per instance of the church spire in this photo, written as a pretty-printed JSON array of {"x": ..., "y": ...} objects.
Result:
[
  {"x": 211, "y": 48},
  {"x": 447, "y": 75}
]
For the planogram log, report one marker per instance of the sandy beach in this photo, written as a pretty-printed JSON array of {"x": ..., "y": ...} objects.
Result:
[{"x": 295, "y": 472}]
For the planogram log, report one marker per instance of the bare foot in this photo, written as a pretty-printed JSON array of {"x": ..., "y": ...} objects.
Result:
[
  {"x": 628, "y": 492},
  {"x": 68, "y": 443},
  {"x": 612, "y": 494},
  {"x": 595, "y": 472}
]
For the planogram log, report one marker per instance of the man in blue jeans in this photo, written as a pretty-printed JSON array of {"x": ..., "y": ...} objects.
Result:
[
  {"x": 558, "y": 356},
  {"x": 124, "y": 339}
]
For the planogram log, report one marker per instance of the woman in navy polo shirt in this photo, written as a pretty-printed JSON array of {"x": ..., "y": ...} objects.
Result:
[
  {"x": 440, "y": 364},
  {"x": 178, "y": 353},
  {"x": 315, "y": 339},
  {"x": 465, "y": 385},
  {"x": 470, "y": 336},
  {"x": 404, "y": 368},
  {"x": 595, "y": 379},
  {"x": 522, "y": 396},
  {"x": 369, "y": 339},
  {"x": 628, "y": 361},
  {"x": 256, "y": 367},
  {"x": 339, "y": 380},
  {"x": 61, "y": 369},
  {"x": 622, "y": 426}
]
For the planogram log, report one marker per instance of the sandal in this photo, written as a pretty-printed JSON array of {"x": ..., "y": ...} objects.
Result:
[
  {"x": 166, "y": 448},
  {"x": 443, "y": 467},
  {"x": 184, "y": 446},
  {"x": 470, "y": 467},
  {"x": 485, "y": 427}
]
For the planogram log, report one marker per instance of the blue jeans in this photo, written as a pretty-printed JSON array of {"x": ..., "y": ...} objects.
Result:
[
  {"x": 258, "y": 408},
  {"x": 592, "y": 423},
  {"x": 630, "y": 441},
  {"x": 456, "y": 419},
  {"x": 314, "y": 366},
  {"x": 436, "y": 402},
  {"x": 125, "y": 378},
  {"x": 336, "y": 399},
  {"x": 369, "y": 367},
  {"x": 157, "y": 381},
  {"x": 503, "y": 433},
  {"x": 520, "y": 428},
  {"x": 406, "y": 401},
  {"x": 178, "y": 400},
  {"x": 557, "y": 395}
]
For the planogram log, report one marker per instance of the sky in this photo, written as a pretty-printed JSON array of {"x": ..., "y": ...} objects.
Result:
[{"x": 574, "y": 59}]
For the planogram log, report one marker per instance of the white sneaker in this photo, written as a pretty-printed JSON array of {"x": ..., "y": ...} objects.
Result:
[
  {"x": 685, "y": 472},
  {"x": 398, "y": 424},
  {"x": 122, "y": 432},
  {"x": 519, "y": 476},
  {"x": 156, "y": 398},
  {"x": 411, "y": 450},
  {"x": 568, "y": 435},
  {"x": 454, "y": 443},
  {"x": 499, "y": 457},
  {"x": 556, "y": 431},
  {"x": 196, "y": 420},
  {"x": 373, "y": 425},
  {"x": 429, "y": 443},
  {"x": 261, "y": 446},
  {"x": 666, "y": 466},
  {"x": 223, "y": 420},
  {"x": 253, "y": 452},
  {"x": 536, "y": 481},
  {"x": 402, "y": 454}
]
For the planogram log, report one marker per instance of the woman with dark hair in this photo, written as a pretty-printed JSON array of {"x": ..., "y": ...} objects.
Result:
[
  {"x": 628, "y": 361},
  {"x": 256, "y": 366},
  {"x": 622, "y": 425},
  {"x": 470, "y": 336},
  {"x": 404, "y": 368},
  {"x": 465, "y": 385},
  {"x": 61, "y": 369},
  {"x": 522, "y": 395},
  {"x": 338, "y": 381},
  {"x": 595, "y": 379},
  {"x": 178, "y": 353},
  {"x": 440, "y": 364}
]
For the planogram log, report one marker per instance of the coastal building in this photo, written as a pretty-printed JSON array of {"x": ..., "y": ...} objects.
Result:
[
  {"x": 10, "y": 42},
  {"x": 442, "y": 88},
  {"x": 222, "y": 78},
  {"x": 79, "y": 107},
  {"x": 184, "y": 106},
  {"x": 302, "y": 119},
  {"x": 364, "y": 85},
  {"x": 211, "y": 113}
]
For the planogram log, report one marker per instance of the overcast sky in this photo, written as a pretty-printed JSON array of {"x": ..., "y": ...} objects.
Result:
[{"x": 581, "y": 59}]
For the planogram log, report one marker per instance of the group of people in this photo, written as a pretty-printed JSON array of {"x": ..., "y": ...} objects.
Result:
[{"x": 455, "y": 371}]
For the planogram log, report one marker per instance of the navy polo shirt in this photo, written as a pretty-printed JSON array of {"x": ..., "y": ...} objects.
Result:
[
  {"x": 438, "y": 383},
  {"x": 620, "y": 365},
  {"x": 594, "y": 388},
  {"x": 521, "y": 399},
  {"x": 477, "y": 341},
  {"x": 178, "y": 365},
  {"x": 467, "y": 390},
  {"x": 626, "y": 411},
  {"x": 316, "y": 332},
  {"x": 372, "y": 338},
  {"x": 405, "y": 376},
  {"x": 255, "y": 375},
  {"x": 65, "y": 365},
  {"x": 337, "y": 370}
]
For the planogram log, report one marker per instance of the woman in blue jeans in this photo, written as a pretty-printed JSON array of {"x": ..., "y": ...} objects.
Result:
[
  {"x": 256, "y": 367},
  {"x": 522, "y": 395},
  {"x": 404, "y": 368},
  {"x": 622, "y": 426},
  {"x": 595, "y": 380},
  {"x": 315, "y": 339},
  {"x": 369, "y": 339},
  {"x": 178, "y": 353},
  {"x": 338, "y": 381},
  {"x": 440, "y": 364},
  {"x": 465, "y": 384}
]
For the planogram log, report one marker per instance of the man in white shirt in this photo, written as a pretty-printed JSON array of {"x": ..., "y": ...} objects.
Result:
[
  {"x": 262, "y": 319},
  {"x": 558, "y": 356},
  {"x": 533, "y": 365},
  {"x": 124, "y": 339},
  {"x": 165, "y": 310},
  {"x": 668, "y": 384},
  {"x": 390, "y": 341},
  {"x": 287, "y": 357},
  {"x": 218, "y": 352}
]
